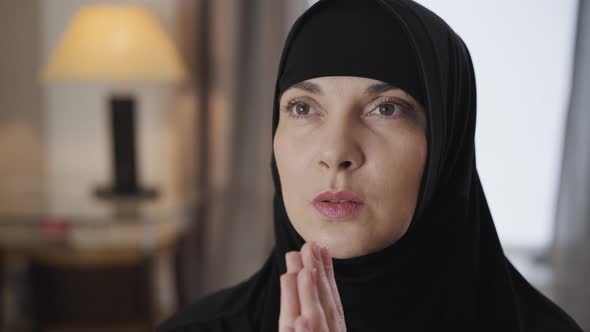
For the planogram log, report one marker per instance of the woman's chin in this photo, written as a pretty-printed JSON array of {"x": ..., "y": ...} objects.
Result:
[
  {"x": 344, "y": 244},
  {"x": 345, "y": 247}
]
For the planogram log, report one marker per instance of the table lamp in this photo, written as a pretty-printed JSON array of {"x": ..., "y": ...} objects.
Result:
[{"x": 123, "y": 44}]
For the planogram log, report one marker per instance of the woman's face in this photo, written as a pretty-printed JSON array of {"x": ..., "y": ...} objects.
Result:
[{"x": 344, "y": 133}]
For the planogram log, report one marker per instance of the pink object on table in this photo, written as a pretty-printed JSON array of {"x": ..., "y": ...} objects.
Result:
[{"x": 55, "y": 227}]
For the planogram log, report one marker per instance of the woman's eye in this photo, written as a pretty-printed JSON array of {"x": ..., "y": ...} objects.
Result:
[
  {"x": 301, "y": 109},
  {"x": 390, "y": 109},
  {"x": 298, "y": 109},
  {"x": 387, "y": 109}
]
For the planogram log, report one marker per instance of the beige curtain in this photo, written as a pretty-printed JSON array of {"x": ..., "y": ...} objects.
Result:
[
  {"x": 238, "y": 45},
  {"x": 571, "y": 254}
]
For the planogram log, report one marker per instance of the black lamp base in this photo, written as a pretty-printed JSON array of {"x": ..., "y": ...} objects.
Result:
[
  {"x": 125, "y": 184},
  {"x": 139, "y": 194}
]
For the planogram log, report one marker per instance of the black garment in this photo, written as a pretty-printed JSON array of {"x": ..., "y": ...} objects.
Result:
[{"x": 448, "y": 272}]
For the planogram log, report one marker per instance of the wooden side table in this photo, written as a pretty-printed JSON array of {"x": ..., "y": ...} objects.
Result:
[{"x": 85, "y": 253}]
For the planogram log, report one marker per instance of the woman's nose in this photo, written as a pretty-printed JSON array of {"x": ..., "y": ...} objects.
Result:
[
  {"x": 344, "y": 165},
  {"x": 341, "y": 152}
]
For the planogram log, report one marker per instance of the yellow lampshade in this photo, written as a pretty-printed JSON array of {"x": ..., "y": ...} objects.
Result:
[{"x": 114, "y": 42}]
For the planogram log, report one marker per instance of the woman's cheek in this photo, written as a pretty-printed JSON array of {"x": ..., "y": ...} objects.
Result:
[{"x": 290, "y": 173}]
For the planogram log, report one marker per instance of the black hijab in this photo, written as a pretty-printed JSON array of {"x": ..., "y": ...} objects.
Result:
[{"x": 448, "y": 272}]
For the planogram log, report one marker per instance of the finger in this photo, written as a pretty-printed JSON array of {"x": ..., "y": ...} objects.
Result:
[
  {"x": 294, "y": 262},
  {"x": 309, "y": 299},
  {"x": 290, "y": 306},
  {"x": 329, "y": 269},
  {"x": 302, "y": 325},
  {"x": 312, "y": 257},
  {"x": 307, "y": 256}
]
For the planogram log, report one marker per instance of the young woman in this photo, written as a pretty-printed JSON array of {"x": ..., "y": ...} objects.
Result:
[{"x": 381, "y": 221}]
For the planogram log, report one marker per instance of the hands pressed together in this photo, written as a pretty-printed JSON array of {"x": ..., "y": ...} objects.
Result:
[{"x": 309, "y": 296}]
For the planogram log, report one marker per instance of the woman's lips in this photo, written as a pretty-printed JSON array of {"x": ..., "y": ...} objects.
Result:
[
  {"x": 338, "y": 196},
  {"x": 338, "y": 211}
]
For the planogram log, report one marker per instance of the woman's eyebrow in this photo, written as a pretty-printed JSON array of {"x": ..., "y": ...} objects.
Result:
[
  {"x": 379, "y": 88},
  {"x": 309, "y": 87},
  {"x": 316, "y": 89}
]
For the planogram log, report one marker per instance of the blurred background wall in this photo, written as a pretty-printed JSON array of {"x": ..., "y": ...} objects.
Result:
[
  {"x": 523, "y": 67},
  {"x": 23, "y": 166},
  {"x": 205, "y": 143}
]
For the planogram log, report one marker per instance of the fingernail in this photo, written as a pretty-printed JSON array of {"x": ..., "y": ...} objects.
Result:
[{"x": 314, "y": 275}]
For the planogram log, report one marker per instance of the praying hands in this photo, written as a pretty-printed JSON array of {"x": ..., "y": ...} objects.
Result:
[{"x": 309, "y": 296}]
